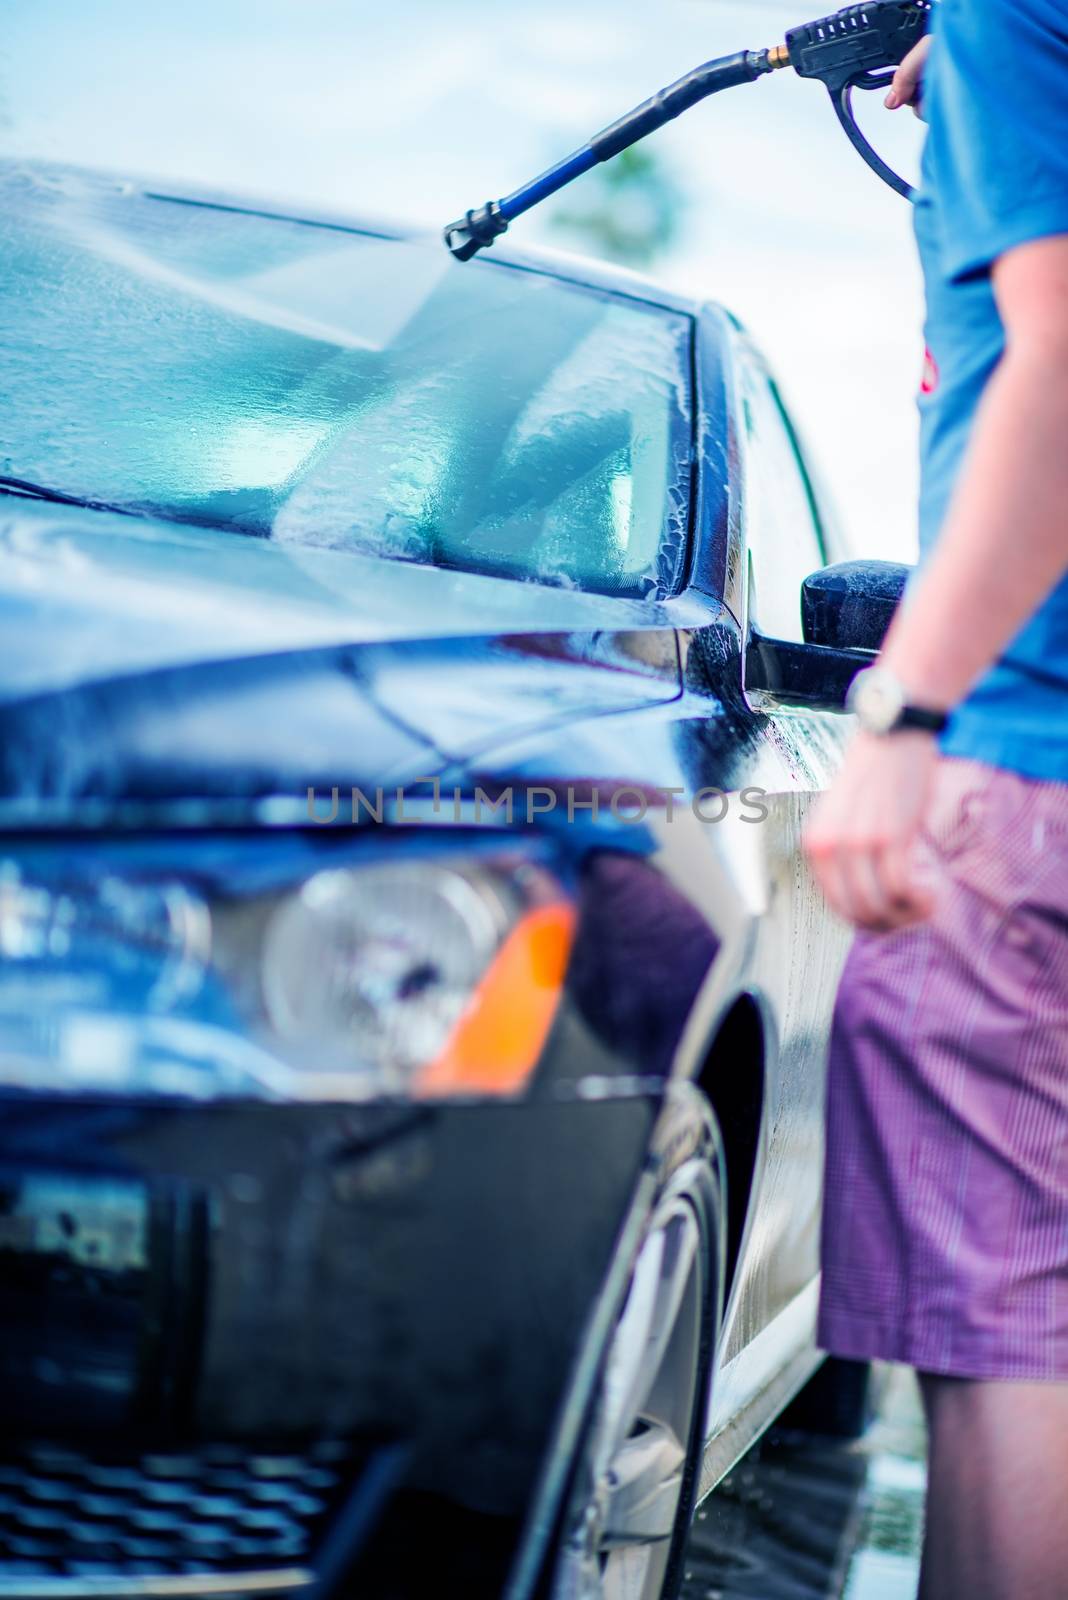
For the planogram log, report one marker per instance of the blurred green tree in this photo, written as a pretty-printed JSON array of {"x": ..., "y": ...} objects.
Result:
[{"x": 628, "y": 210}]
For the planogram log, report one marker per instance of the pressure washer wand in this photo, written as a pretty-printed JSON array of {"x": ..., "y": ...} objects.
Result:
[
  {"x": 477, "y": 229},
  {"x": 850, "y": 49}
]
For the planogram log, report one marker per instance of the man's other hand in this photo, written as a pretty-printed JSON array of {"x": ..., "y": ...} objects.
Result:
[{"x": 864, "y": 837}]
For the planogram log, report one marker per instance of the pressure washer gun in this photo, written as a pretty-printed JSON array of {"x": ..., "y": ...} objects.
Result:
[{"x": 851, "y": 49}]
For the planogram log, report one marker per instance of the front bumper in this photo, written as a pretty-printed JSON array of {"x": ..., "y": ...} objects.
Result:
[{"x": 385, "y": 1302}]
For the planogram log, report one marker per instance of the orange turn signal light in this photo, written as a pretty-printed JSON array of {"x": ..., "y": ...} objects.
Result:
[{"x": 497, "y": 1042}]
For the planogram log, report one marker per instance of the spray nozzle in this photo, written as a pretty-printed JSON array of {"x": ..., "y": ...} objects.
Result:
[{"x": 475, "y": 230}]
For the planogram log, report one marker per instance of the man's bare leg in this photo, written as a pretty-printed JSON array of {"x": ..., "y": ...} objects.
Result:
[{"x": 997, "y": 1496}]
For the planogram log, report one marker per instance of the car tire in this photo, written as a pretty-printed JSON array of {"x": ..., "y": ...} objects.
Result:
[{"x": 637, "y": 1460}]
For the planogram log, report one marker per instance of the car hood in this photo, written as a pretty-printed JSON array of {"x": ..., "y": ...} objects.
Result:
[{"x": 144, "y": 657}]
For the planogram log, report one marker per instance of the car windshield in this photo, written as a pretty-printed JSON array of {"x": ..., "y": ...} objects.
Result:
[{"x": 324, "y": 388}]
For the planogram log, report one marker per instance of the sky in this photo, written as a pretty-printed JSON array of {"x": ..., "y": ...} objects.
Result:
[{"x": 418, "y": 109}]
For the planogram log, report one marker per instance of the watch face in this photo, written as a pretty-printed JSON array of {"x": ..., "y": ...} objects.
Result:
[{"x": 877, "y": 700}]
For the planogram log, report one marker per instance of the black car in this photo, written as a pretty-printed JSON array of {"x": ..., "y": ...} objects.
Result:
[{"x": 413, "y": 1001}]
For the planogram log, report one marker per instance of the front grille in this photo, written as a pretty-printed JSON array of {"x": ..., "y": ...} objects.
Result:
[{"x": 215, "y": 1521}]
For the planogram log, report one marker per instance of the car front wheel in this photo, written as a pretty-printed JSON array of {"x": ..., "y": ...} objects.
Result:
[{"x": 635, "y": 1472}]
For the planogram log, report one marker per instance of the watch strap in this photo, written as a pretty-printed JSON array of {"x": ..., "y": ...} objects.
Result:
[{"x": 920, "y": 717}]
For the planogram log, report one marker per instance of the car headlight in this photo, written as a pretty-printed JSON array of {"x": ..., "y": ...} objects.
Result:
[{"x": 407, "y": 977}]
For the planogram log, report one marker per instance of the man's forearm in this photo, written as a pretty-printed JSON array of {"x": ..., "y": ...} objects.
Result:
[{"x": 1005, "y": 543}]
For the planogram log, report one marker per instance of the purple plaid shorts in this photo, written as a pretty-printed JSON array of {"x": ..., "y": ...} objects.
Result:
[{"x": 945, "y": 1225}]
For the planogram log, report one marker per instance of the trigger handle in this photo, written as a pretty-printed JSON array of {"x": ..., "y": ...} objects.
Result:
[{"x": 842, "y": 100}]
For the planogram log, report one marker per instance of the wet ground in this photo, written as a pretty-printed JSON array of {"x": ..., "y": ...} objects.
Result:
[{"x": 803, "y": 1518}]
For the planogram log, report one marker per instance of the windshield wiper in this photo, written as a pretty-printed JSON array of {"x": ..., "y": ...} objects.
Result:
[{"x": 59, "y": 497}]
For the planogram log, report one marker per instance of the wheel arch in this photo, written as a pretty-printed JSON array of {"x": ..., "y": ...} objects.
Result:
[{"x": 732, "y": 1078}]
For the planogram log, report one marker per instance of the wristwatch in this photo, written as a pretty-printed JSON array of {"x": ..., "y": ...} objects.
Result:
[{"x": 877, "y": 700}]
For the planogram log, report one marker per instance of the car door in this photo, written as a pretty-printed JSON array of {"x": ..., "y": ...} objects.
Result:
[
  {"x": 781, "y": 948},
  {"x": 800, "y": 945}
]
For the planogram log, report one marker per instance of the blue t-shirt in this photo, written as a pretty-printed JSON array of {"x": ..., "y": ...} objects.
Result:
[{"x": 995, "y": 175}]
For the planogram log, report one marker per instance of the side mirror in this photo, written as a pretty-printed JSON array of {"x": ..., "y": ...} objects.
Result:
[
  {"x": 850, "y": 606},
  {"x": 845, "y": 613}
]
